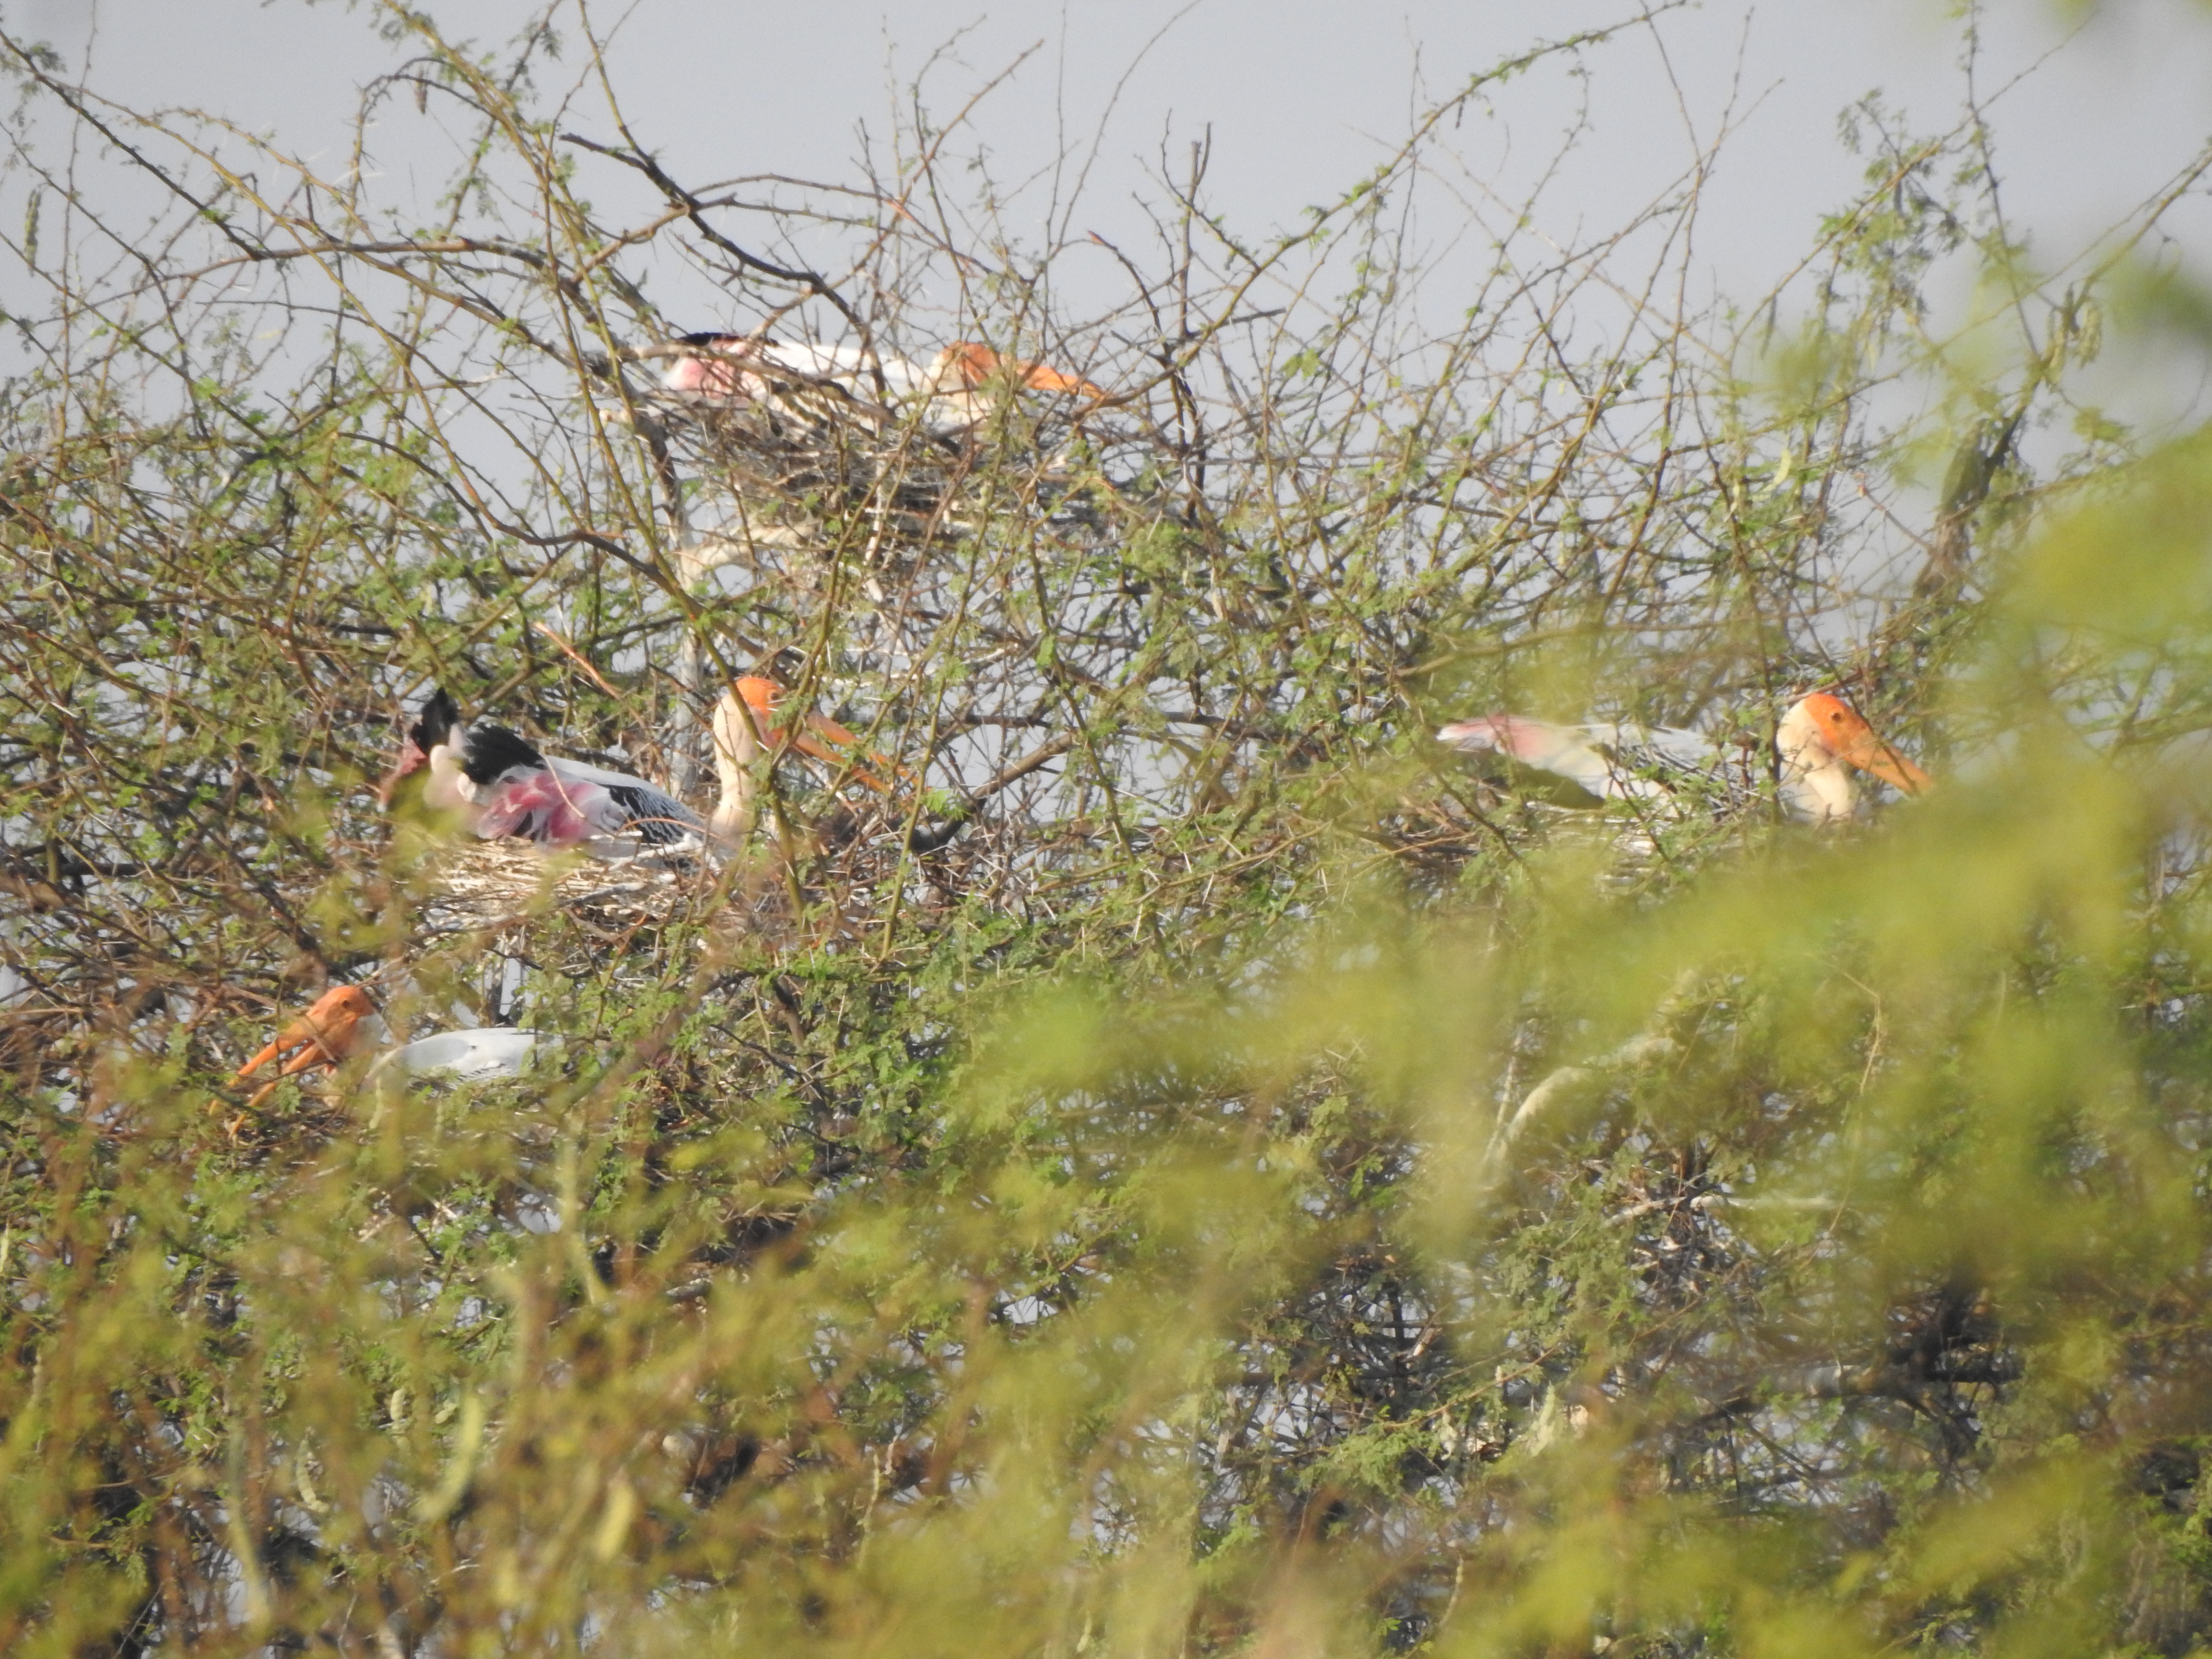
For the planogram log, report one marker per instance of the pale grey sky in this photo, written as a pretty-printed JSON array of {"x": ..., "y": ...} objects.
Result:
[{"x": 1300, "y": 96}]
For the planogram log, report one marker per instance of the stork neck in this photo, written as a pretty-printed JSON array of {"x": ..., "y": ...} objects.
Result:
[
  {"x": 1816, "y": 784},
  {"x": 448, "y": 788},
  {"x": 736, "y": 749}
]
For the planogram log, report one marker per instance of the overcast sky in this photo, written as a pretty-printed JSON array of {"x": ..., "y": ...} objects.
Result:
[{"x": 1300, "y": 97}]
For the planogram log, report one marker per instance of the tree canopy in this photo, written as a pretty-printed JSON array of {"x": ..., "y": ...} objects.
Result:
[{"x": 1191, "y": 1165}]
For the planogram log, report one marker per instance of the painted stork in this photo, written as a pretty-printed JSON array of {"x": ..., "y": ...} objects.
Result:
[
  {"x": 747, "y": 724},
  {"x": 323, "y": 1036},
  {"x": 1819, "y": 742},
  {"x": 500, "y": 785},
  {"x": 958, "y": 383}
]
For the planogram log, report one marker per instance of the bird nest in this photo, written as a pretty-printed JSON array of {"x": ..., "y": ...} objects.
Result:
[
  {"x": 578, "y": 914},
  {"x": 498, "y": 887},
  {"x": 794, "y": 468}
]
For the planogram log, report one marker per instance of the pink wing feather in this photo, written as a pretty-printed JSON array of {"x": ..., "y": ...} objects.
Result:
[{"x": 566, "y": 808}]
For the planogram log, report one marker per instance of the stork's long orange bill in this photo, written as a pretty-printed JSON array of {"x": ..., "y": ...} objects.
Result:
[
  {"x": 837, "y": 747},
  {"x": 825, "y": 740},
  {"x": 1043, "y": 377},
  {"x": 977, "y": 365},
  {"x": 1891, "y": 768},
  {"x": 324, "y": 1035}
]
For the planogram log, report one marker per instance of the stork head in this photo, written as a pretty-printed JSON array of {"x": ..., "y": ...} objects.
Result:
[
  {"x": 344, "y": 1005},
  {"x": 970, "y": 366},
  {"x": 434, "y": 724},
  {"x": 1823, "y": 728},
  {"x": 743, "y": 720},
  {"x": 761, "y": 696},
  {"x": 964, "y": 365},
  {"x": 737, "y": 742},
  {"x": 1501, "y": 734},
  {"x": 342, "y": 1018}
]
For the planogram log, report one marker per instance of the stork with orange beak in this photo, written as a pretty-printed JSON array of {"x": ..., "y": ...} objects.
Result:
[
  {"x": 748, "y": 723},
  {"x": 324, "y": 1035},
  {"x": 964, "y": 376},
  {"x": 957, "y": 385},
  {"x": 1819, "y": 743}
]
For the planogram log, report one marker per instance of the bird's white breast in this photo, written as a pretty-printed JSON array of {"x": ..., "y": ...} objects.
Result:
[{"x": 449, "y": 789}]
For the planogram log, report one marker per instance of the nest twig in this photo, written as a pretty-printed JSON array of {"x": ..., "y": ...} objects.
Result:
[{"x": 486, "y": 887}]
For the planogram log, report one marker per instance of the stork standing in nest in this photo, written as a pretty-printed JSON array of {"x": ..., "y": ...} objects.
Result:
[{"x": 1818, "y": 746}]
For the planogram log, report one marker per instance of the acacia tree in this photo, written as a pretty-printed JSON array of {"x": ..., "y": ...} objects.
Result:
[{"x": 1189, "y": 1167}]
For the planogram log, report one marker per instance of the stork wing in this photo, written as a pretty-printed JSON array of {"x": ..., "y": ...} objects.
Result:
[
  {"x": 657, "y": 816},
  {"x": 1573, "y": 752}
]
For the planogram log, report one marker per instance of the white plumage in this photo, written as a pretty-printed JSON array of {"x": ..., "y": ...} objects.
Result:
[
  {"x": 470, "y": 1055},
  {"x": 958, "y": 383}
]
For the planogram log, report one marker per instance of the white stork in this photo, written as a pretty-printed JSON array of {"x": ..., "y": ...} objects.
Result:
[
  {"x": 1817, "y": 746},
  {"x": 500, "y": 785}
]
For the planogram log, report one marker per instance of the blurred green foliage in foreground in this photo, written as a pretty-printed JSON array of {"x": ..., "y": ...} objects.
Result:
[{"x": 1251, "y": 1185}]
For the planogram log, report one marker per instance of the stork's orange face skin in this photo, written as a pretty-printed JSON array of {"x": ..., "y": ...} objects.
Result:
[
  {"x": 975, "y": 363},
  {"x": 1851, "y": 738},
  {"x": 760, "y": 695},
  {"x": 347, "y": 1001}
]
